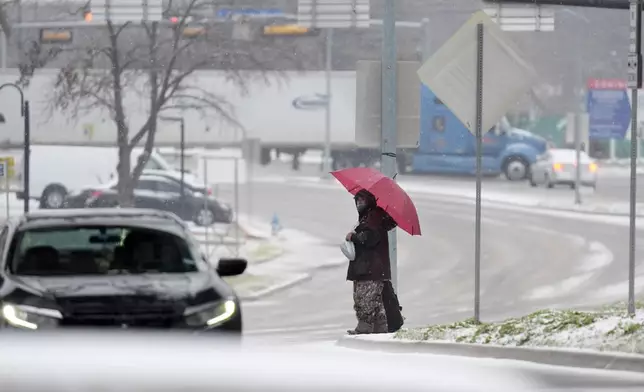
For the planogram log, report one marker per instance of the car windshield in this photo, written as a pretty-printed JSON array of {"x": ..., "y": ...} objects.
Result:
[
  {"x": 102, "y": 250},
  {"x": 568, "y": 156}
]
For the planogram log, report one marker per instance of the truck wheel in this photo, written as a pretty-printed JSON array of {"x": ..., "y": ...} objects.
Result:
[
  {"x": 515, "y": 169},
  {"x": 53, "y": 197}
]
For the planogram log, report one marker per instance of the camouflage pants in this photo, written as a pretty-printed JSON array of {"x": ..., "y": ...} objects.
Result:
[{"x": 368, "y": 304}]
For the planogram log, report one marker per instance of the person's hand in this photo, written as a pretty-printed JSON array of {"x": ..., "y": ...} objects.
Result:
[{"x": 348, "y": 237}]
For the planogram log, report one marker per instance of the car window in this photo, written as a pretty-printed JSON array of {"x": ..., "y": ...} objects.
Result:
[
  {"x": 100, "y": 250},
  {"x": 152, "y": 164},
  {"x": 168, "y": 186},
  {"x": 149, "y": 185}
]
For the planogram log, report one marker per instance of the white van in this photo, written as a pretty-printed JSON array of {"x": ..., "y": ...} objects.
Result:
[{"x": 57, "y": 170}]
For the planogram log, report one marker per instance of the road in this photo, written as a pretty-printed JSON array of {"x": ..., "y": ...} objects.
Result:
[
  {"x": 613, "y": 184},
  {"x": 530, "y": 260}
]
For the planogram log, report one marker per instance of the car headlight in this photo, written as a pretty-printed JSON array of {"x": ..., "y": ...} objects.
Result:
[
  {"x": 30, "y": 317},
  {"x": 210, "y": 315}
]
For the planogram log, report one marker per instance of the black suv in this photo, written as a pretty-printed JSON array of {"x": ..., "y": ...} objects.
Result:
[{"x": 121, "y": 268}]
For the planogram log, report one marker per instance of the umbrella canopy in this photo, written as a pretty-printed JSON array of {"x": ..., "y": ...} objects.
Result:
[{"x": 389, "y": 195}]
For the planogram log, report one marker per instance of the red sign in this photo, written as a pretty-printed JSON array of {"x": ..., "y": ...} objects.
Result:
[{"x": 607, "y": 84}]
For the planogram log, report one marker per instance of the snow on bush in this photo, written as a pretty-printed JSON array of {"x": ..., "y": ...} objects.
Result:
[{"x": 609, "y": 329}]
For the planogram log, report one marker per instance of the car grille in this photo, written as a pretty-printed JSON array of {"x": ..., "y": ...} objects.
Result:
[{"x": 121, "y": 312}]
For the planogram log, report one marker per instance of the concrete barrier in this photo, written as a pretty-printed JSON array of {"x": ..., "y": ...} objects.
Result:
[{"x": 547, "y": 356}]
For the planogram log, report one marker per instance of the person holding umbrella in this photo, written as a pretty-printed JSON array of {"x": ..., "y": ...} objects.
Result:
[
  {"x": 371, "y": 267},
  {"x": 382, "y": 205}
]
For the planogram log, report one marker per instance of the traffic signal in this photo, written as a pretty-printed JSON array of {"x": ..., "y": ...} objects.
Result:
[{"x": 609, "y": 4}]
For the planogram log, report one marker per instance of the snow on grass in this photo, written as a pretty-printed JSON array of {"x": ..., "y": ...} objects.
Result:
[{"x": 608, "y": 329}]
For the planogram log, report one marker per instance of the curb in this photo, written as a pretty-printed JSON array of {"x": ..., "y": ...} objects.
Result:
[
  {"x": 300, "y": 278},
  {"x": 546, "y": 356}
]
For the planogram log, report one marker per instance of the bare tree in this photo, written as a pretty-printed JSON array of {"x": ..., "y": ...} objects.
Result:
[{"x": 110, "y": 65}]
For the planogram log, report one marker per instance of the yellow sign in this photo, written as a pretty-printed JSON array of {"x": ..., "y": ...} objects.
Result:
[
  {"x": 193, "y": 32},
  {"x": 10, "y": 162},
  {"x": 56, "y": 35},
  {"x": 289, "y": 29}
]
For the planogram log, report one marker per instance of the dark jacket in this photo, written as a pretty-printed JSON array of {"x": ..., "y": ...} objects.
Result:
[{"x": 372, "y": 246}]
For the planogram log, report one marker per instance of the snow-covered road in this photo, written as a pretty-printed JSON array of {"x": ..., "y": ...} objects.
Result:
[{"x": 540, "y": 376}]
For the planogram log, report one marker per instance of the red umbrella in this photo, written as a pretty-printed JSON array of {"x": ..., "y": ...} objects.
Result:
[{"x": 389, "y": 195}]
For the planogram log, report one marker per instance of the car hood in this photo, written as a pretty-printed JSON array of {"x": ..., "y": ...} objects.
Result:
[{"x": 189, "y": 286}]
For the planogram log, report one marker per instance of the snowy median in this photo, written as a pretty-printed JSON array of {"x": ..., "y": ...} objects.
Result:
[
  {"x": 609, "y": 329},
  {"x": 604, "y": 339}
]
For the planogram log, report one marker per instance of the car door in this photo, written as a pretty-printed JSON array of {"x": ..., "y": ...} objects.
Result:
[
  {"x": 147, "y": 195},
  {"x": 171, "y": 193}
]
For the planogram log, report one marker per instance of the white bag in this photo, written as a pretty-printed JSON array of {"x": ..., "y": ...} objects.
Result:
[{"x": 349, "y": 250}]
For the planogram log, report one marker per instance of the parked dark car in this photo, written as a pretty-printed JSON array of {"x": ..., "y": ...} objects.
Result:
[
  {"x": 112, "y": 268},
  {"x": 161, "y": 193}
]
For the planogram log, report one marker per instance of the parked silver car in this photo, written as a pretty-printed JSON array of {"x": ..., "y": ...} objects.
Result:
[{"x": 558, "y": 167}]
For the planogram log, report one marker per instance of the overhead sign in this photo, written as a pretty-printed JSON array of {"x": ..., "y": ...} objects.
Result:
[
  {"x": 332, "y": 14},
  {"x": 514, "y": 17},
  {"x": 608, "y": 107},
  {"x": 122, "y": 11},
  {"x": 50, "y": 36},
  {"x": 289, "y": 29},
  {"x": 225, "y": 13},
  {"x": 451, "y": 73}
]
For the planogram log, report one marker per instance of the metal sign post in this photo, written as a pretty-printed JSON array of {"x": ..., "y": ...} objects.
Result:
[
  {"x": 634, "y": 83},
  {"x": 479, "y": 153},
  {"x": 331, "y": 14}
]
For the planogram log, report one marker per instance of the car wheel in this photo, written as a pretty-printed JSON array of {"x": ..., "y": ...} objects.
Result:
[
  {"x": 516, "y": 169},
  {"x": 205, "y": 217},
  {"x": 53, "y": 197}
]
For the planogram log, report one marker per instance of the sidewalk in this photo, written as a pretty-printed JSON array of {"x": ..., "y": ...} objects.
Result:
[{"x": 274, "y": 262}]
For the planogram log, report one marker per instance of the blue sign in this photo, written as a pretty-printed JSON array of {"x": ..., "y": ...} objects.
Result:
[
  {"x": 2, "y": 169},
  {"x": 609, "y": 112},
  {"x": 228, "y": 12}
]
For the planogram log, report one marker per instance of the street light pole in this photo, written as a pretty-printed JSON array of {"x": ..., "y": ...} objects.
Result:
[
  {"x": 389, "y": 142},
  {"x": 326, "y": 167},
  {"x": 182, "y": 151},
  {"x": 24, "y": 113}
]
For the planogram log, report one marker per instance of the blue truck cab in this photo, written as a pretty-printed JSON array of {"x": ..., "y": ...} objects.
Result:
[{"x": 446, "y": 146}]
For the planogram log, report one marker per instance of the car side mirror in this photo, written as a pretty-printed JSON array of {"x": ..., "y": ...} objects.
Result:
[{"x": 231, "y": 267}]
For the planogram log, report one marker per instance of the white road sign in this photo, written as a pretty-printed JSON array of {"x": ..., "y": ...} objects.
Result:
[{"x": 451, "y": 73}]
